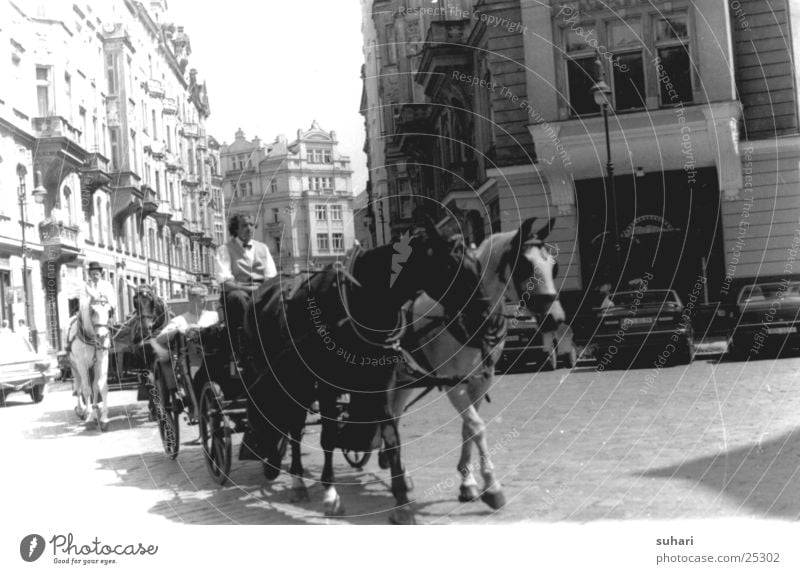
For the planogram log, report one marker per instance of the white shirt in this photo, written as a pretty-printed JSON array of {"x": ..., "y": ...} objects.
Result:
[
  {"x": 104, "y": 288},
  {"x": 222, "y": 263},
  {"x": 182, "y": 323}
]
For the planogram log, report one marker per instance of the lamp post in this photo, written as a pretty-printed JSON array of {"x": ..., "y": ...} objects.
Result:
[
  {"x": 601, "y": 92},
  {"x": 39, "y": 194}
]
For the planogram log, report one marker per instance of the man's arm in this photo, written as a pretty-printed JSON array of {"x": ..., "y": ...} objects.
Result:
[{"x": 271, "y": 270}]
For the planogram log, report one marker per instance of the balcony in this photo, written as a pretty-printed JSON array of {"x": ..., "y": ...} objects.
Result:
[
  {"x": 154, "y": 88},
  {"x": 173, "y": 162},
  {"x": 54, "y": 126},
  {"x": 191, "y": 179},
  {"x": 158, "y": 150},
  {"x": 191, "y": 130},
  {"x": 126, "y": 195},
  {"x": 149, "y": 200},
  {"x": 169, "y": 106},
  {"x": 60, "y": 241},
  {"x": 446, "y": 48}
]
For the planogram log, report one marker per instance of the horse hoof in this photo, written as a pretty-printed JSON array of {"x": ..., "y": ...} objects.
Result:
[
  {"x": 409, "y": 483},
  {"x": 403, "y": 516},
  {"x": 104, "y": 426},
  {"x": 468, "y": 493},
  {"x": 334, "y": 508},
  {"x": 299, "y": 494},
  {"x": 383, "y": 459},
  {"x": 271, "y": 471},
  {"x": 80, "y": 414},
  {"x": 496, "y": 500}
]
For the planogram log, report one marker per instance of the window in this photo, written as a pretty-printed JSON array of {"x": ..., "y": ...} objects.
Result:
[
  {"x": 319, "y": 155},
  {"x": 276, "y": 215},
  {"x": 155, "y": 125},
  {"x": 115, "y": 157},
  {"x": 580, "y": 71},
  {"x": 250, "y": 188},
  {"x": 624, "y": 47},
  {"x": 158, "y": 186},
  {"x": 43, "y": 90},
  {"x": 273, "y": 186},
  {"x": 322, "y": 213},
  {"x": 336, "y": 212},
  {"x": 337, "y": 241},
  {"x": 111, "y": 73},
  {"x": 68, "y": 94},
  {"x": 671, "y": 34},
  {"x": 625, "y": 41},
  {"x": 110, "y": 224},
  {"x": 322, "y": 242},
  {"x": 99, "y": 213},
  {"x": 134, "y": 149}
]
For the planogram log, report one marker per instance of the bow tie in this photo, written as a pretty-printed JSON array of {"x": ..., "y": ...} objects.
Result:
[{"x": 247, "y": 245}]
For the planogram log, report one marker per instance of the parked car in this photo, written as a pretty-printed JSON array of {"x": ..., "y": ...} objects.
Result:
[
  {"x": 643, "y": 322},
  {"x": 767, "y": 321},
  {"x": 526, "y": 344},
  {"x": 22, "y": 369}
]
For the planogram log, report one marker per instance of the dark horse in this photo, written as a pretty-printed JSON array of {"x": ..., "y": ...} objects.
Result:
[
  {"x": 150, "y": 314},
  {"x": 336, "y": 330}
]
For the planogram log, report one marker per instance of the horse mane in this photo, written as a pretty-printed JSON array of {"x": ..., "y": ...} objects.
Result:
[{"x": 494, "y": 253}]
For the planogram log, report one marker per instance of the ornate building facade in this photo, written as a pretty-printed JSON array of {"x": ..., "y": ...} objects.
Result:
[
  {"x": 487, "y": 106},
  {"x": 299, "y": 192},
  {"x": 107, "y": 119}
]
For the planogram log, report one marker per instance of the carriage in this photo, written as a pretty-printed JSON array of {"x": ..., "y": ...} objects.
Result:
[{"x": 202, "y": 381}]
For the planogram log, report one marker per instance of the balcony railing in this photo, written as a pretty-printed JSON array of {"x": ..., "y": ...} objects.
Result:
[
  {"x": 191, "y": 130},
  {"x": 60, "y": 241},
  {"x": 155, "y": 88},
  {"x": 54, "y": 126},
  {"x": 191, "y": 179},
  {"x": 170, "y": 106}
]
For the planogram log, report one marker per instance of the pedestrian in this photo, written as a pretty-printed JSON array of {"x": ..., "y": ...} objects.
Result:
[
  {"x": 23, "y": 330},
  {"x": 4, "y": 327}
]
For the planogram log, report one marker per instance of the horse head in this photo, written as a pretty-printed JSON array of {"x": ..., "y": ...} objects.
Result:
[
  {"x": 533, "y": 268},
  {"x": 145, "y": 305},
  {"x": 445, "y": 269},
  {"x": 99, "y": 314}
]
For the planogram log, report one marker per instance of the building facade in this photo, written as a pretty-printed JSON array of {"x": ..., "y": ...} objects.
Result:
[
  {"x": 107, "y": 119},
  {"x": 488, "y": 107},
  {"x": 299, "y": 192}
]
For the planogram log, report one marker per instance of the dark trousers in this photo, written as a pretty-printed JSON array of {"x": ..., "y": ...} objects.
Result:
[{"x": 236, "y": 304}]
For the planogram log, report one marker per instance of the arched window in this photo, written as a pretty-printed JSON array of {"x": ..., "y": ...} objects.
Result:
[
  {"x": 99, "y": 212},
  {"x": 68, "y": 204}
]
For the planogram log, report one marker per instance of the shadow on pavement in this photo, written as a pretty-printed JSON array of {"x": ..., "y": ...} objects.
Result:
[
  {"x": 246, "y": 498},
  {"x": 762, "y": 476},
  {"x": 56, "y": 424}
]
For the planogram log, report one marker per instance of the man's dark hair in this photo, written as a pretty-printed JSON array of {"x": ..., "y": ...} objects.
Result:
[{"x": 233, "y": 223}]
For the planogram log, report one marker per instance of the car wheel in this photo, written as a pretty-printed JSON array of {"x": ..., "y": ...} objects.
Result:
[
  {"x": 683, "y": 355},
  {"x": 37, "y": 393}
]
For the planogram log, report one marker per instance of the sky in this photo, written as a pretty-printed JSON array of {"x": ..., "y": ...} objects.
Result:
[{"x": 274, "y": 66}]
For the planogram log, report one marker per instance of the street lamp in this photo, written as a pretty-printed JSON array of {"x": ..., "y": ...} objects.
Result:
[
  {"x": 39, "y": 194},
  {"x": 601, "y": 92}
]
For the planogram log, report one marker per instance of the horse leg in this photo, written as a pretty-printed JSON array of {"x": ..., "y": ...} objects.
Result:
[
  {"x": 327, "y": 405},
  {"x": 468, "y": 491},
  {"x": 464, "y": 398},
  {"x": 299, "y": 492},
  {"x": 101, "y": 388},
  {"x": 403, "y": 512},
  {"x": 77, "y": 390}
]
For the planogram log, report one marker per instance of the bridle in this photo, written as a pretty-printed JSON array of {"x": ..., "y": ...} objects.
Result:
[{"x": 96, "y": 341}]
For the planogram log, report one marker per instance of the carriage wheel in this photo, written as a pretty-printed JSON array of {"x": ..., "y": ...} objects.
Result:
[
  {"x": 357, "y": 459},
  {"x": 215, "y": 433},
  {"x": 167, "y": 415}
]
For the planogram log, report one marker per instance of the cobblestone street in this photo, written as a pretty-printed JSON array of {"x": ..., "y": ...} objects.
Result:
[{"x": 708, "y": 441}]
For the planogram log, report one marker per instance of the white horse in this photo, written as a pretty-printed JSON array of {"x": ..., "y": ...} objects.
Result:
[
  {"x": 89, "y": 340},
  {"x": 518, "y": 259}
]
